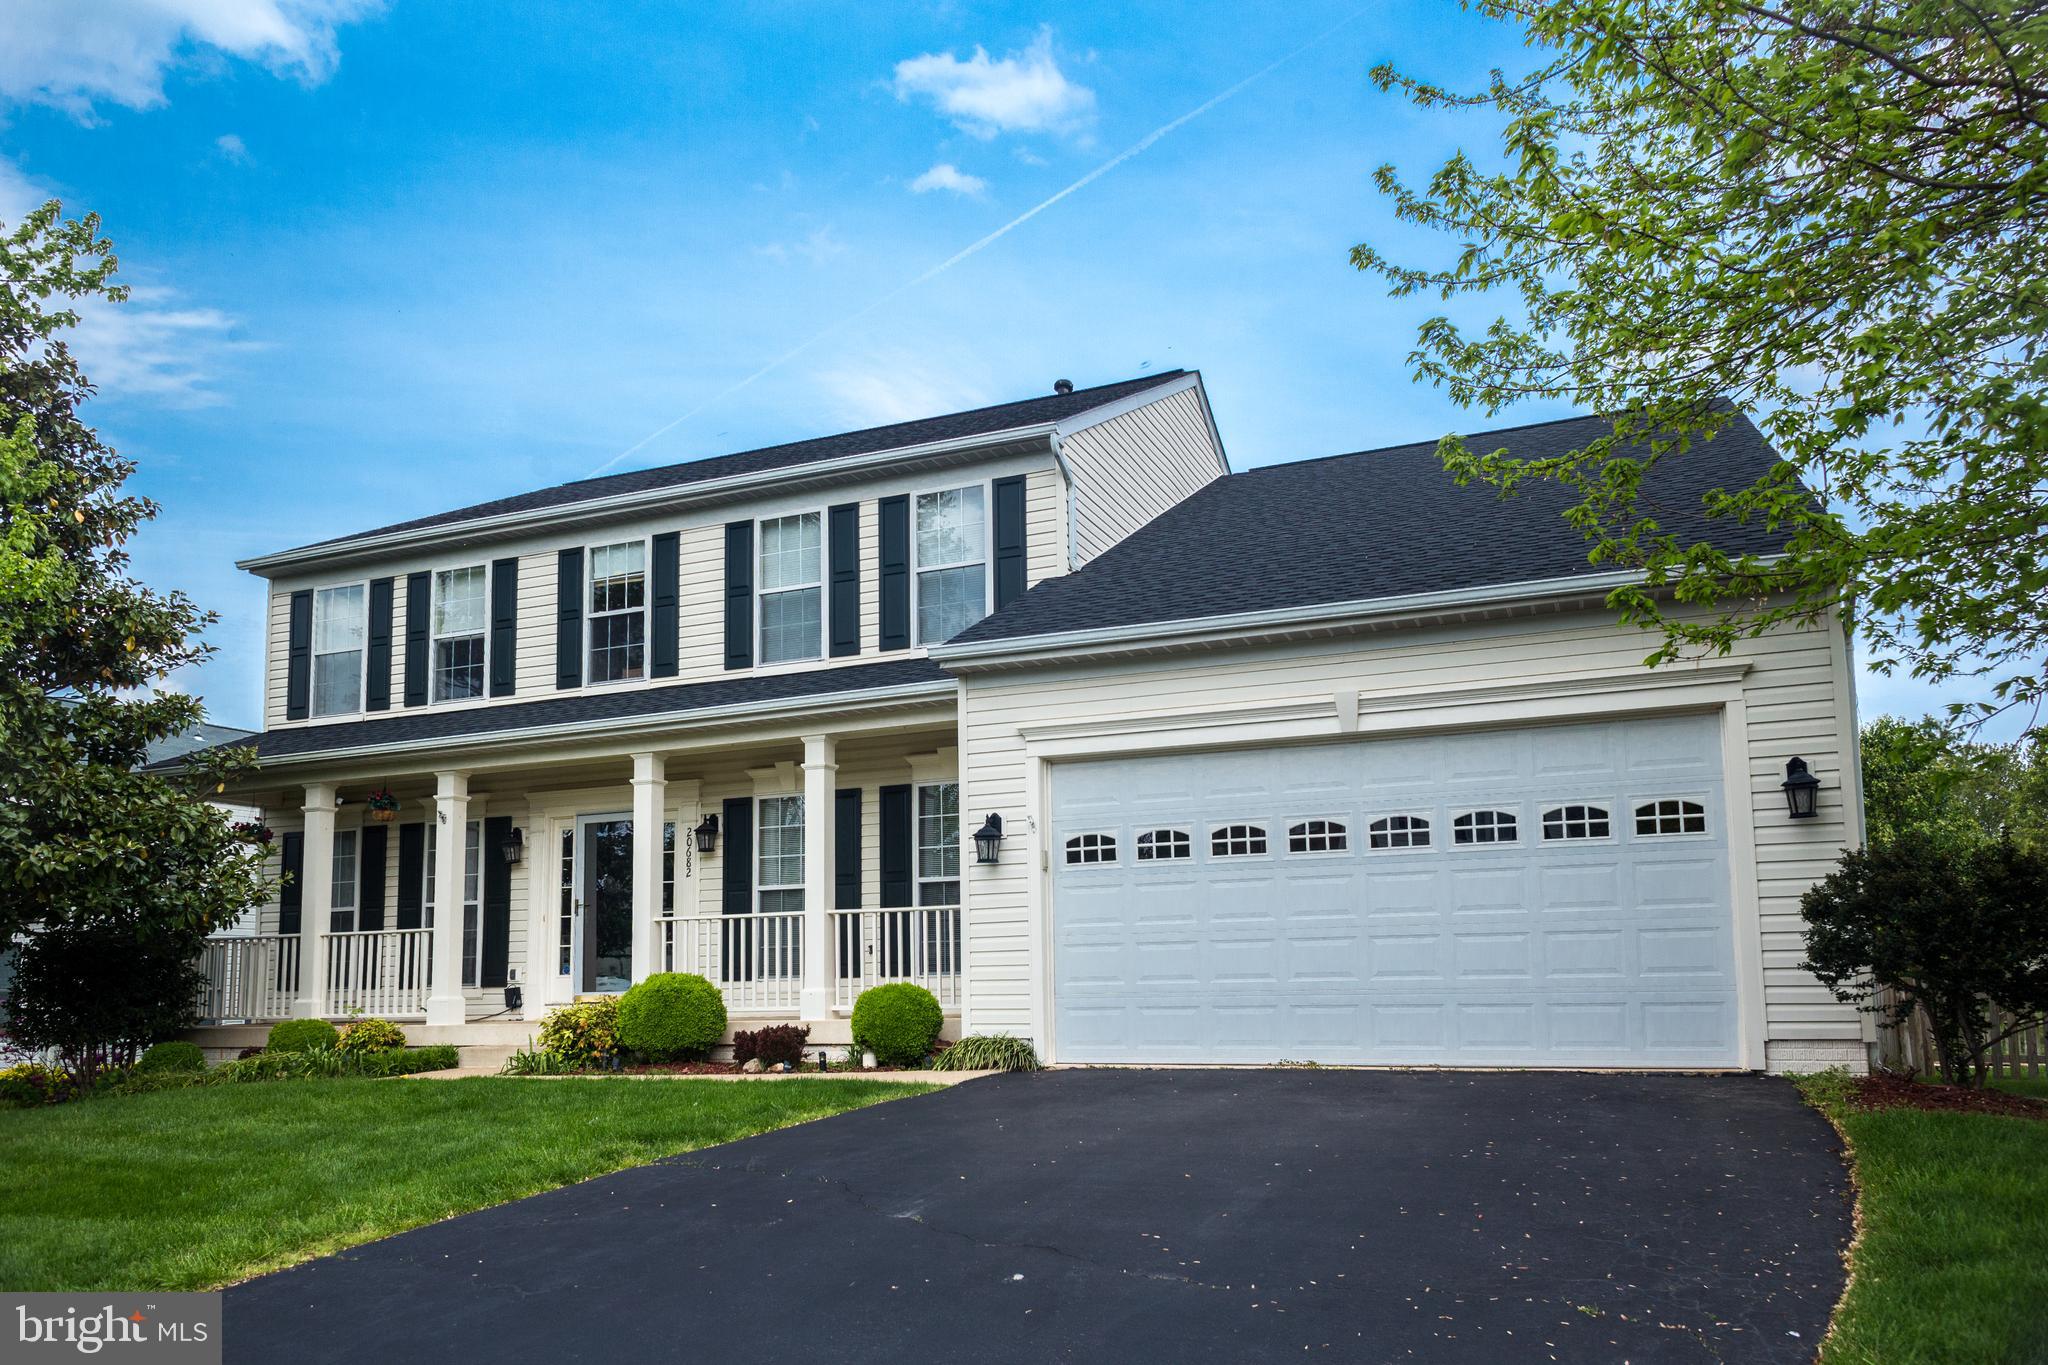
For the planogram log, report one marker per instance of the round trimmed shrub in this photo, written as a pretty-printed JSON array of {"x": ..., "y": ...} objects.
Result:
[
  {"x": 672, "y": 1015},
  {"x": 303, "y": 1035},
  {"x": 897, "y": 1022},
  {"x": 366, "y": 1036},
  {"x": 173, "y": 1056}
]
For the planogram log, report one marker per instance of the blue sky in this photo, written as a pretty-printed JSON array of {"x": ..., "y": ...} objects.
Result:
[{"x": 391, "y": 259}]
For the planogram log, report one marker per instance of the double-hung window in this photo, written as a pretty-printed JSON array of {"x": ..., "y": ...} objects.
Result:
[
  {"x": 782, "y": 854},
  {"x": 459, "y": 633},
  {"x": 792, "y": 579},
  {"x": 341, "y": 915},
  {"x": 938, "y": 844},
  {"x": 338, "y": 634},
  {"x": 618, "y": 611},
  {"x": 952, "y": 562}
]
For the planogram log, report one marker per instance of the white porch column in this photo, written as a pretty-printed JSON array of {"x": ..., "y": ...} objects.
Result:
[
  {"x": 650, "y": 800},
  {"x": 445, "y": 1004},
  {"x": 821, "y": 775},
  {"x": 316, "y": 901}
]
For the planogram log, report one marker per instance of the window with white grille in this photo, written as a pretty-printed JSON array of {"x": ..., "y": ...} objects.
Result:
[
  {"x": 1237, "y": 841},
  {"x": 1164, "y": 845},
  {"x": 1398, "y": 831},
  {"x": 1576, "y": 822},
  {"x": 1484, "y": 827},
  {"x": 1671, "y": 816},
  {"x": 1085, "y": 849},
  {"x": 1318, "y": 836}
]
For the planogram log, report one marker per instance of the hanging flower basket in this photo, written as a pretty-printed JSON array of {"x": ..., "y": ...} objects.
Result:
[
  {"x": 383, "y": 806},
  {"x": 252, "y": 831}
]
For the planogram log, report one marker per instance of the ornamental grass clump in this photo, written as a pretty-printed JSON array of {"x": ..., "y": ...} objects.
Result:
[
  {"x": 672, "y": 1016},
  {"x": 897, "y": 1022},
  {"x": 989, "y": 1052}
]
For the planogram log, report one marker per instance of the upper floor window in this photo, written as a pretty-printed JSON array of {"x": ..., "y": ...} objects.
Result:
[
  {"x": 782, "y": 854},
  {"x": 792, "y": 577},
  {"x": 952, "y": 562},
  {"x": 618, "y": 612},
  {"x": 938, "y": 843},
  {"x": 459, "y": 633},
  {"x": 338, "y": 632}
]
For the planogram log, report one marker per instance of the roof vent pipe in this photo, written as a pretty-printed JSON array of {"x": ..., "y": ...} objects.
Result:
[{"x": 1062, "y": 386}]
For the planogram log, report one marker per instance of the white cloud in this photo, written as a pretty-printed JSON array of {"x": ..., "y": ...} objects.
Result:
[
  {"x": 894, "y": 386},
  {"x": 818, "y": 248},
  {"x": 947, "y": 176},
  {"x": 17, "y": 195},
  {"x": 231, "y": 146},
  {"x": 152, "y": 347},
  {"x": 72, "y": 53},
  {"x": 1024, "y": 92}
]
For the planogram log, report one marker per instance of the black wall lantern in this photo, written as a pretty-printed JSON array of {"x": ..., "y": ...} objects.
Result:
[
  {"x": 988, "y": 839},
  {"x": 514, "y": 848},
  {"x": 1802, "y": 790},
  {"x": 707, "y": 834}
]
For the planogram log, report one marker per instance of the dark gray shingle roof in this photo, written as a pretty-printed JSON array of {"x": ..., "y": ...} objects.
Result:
[
  {"x": 481, "y": 722},
  {"x": 1383, "y": 523},
  {"x": 951, "y": 426}
]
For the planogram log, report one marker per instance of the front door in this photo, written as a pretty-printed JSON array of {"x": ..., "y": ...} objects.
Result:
[{"x": 604, "y": 942}]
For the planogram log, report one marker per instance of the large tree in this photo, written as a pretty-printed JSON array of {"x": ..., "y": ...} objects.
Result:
[
  {"x": 89, "y": 839},
  {"x": 1832, "y": 212}
]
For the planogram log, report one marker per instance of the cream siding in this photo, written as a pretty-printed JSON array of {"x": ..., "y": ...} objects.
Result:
[
  {"x": 277, "y": 647},
  {"x": 533, "y": 673},
  {"x": 1130, "y": 468},
  {"x": 1793, "y": 697}
]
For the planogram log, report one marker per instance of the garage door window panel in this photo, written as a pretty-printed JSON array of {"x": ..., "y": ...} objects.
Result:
[
  {"x": 1398, "y": 833},
  {"x": 1088, "y": 850},
  {"x": 1667, "y": 816},
  {"x": 1483, "y": 828},
  {"x": 1577, "y": 820},
  {"x": 1164, "y": 845},
  {"x": 1318, "y": 836},
  {"x": 1237, "y": 841}
]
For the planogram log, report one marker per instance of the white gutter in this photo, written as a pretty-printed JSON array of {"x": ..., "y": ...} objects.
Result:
[
  {"x": 607, "y": 729},
  {"x": 674, "y": 494},
  {"x": 1219, "y": 629}
]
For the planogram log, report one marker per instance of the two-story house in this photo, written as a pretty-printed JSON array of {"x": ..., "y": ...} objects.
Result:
[{"x": 1331, "y": 760}]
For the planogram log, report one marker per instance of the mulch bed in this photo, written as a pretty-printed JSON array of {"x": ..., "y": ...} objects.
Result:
[
  {"x": 1888, "y": 1090},
  {"x": 681, "y": 1068}
]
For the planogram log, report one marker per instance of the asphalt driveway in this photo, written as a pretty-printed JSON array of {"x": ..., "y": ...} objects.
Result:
[{"x": 1139, "y": 1216}]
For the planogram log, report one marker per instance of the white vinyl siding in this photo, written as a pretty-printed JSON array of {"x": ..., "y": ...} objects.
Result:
[{"x": 1129, "y": 469}]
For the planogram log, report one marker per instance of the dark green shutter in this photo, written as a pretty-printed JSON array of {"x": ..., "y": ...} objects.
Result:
[
  {"x": 898, "y": 838},
  {"x": 664, "y": 620},
  {"x": 377, "y": 695},
  {"x": 504, "y": 627},
  {"x": 569, "y": 619},
  {"x": 844, "y": 547},
  {"x": 298, "y": 656},
  {"x": 739, "y": 594},
  {"x": 494, "y": 954},
  {"x": 1009, "y": 496},
  {"x": 412, "y": 865},
  {"x": 893, "y": 580},
  {"x": 291, "y": 896},
  {"x": 370, "y": 868},
  {"x": 419, "y": 608}
]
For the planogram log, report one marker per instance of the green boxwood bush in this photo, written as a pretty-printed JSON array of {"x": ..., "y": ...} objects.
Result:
[
  {"x": 585, "y": 1034},
  {"x": 366, "y": 1036},
  {"x": 672, "y": 1015},
  {"x": 988, "y": 1052},
  {"x": 897, "y": 1022},
  {"x": 303, "y": 1035},
  {"x": 173, "y": 1056}
]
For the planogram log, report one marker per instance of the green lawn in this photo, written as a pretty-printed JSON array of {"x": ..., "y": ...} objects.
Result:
[
  {"x": 189, "y": 1189},
  {"x": 1952, "y": 1264},
  {"x": 2034, "y": 1086}
]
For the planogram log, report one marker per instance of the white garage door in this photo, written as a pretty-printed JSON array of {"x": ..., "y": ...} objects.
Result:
[{"x": 1550, "y": 896}]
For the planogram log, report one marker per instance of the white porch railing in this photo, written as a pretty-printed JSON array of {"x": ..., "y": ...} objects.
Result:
[
  {"x": 757, "y": 961},
  {"x": 384, "y": 973},
  {"x": 249, "y": 976},
  {"x": 920, "y": 944}
]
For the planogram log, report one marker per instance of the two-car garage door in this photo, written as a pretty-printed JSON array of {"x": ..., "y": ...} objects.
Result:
[{"x": 1549, "y": 896}]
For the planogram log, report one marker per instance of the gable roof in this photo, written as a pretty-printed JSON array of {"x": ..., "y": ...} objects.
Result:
[
  {"x": 989, "y": 421},
  {"x": 1376, "y": 524}
]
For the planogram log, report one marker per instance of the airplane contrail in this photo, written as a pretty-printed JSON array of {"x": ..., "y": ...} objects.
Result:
[{"x": 977, "y": 246}]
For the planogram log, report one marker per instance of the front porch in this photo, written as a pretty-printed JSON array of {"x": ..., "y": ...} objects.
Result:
[{"x": 793, "y": 870}]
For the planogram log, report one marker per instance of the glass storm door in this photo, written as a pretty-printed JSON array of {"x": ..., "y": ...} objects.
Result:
[{"x": 605, "y": 937}]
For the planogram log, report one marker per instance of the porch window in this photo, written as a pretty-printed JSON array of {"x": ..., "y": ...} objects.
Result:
[
  {"x": 338, "y": 633},
  {"x": 952, "y": 562},
  {"x": 668, "y": 867},
  {"x": 938, "y": 843},
  {"x": 472, "y": 918},
  {"x": 459, "y": 633},
  {"x": 341, "y": 915},
  {"x": 781, "y": 877},
  {"x": 792, "y": 560},
  {"x": 618, "y": 611},
  {"x": 565, "y": 942}
]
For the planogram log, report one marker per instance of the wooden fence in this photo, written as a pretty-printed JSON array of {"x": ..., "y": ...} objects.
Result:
[{"x": 2023, "y": 1054}]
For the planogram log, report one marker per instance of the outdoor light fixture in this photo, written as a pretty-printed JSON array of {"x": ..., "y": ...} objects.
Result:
[
  {"x": 514, "y": 848},
  {"x": 988, "y": 839},
  {"x": 1802, "y": 790},
  {"x": 707, "y": 834}
]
